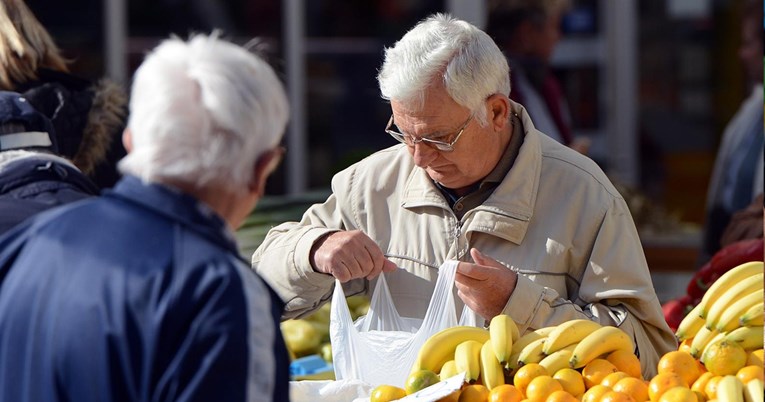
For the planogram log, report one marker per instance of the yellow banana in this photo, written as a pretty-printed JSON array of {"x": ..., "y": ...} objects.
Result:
[
  {"x": 753, "y": 317},
  {"x": 690, "y": 324},
  {"x": 750, "y": 338},
  {"x": 753, "y": 390},
  {"x": 729, "y": 318},
  {"x": 701, "y": 340},
  {"x": 503, "y": 332},
  {"x": 728, "y": 279},
  {"x": 492, "y": 373},
  {"x": 532, "y": 353},
  {"x": 448, "y": 370},
  {"x": 601, "y": 341},
  {"x": 439, "y": 348},
  {"x": 733, "y": 293},
  {"x": 568, "y": 333},
  {"x": 467, "y": 358},
  {"x": 558, "y": 360},
  {"x": 529, "y": 337},
  {"x": 730, "y": 389}
]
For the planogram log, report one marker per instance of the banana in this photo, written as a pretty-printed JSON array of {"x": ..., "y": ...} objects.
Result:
[
  {"x": 492, "y": 374},
  {"x": 601, "y": 341},
  {"x": 448, "y": 370},
  {"x": 503, "y": 332},
  {"x": 753, "y": 390},
  {"x": 729, "y": 318},
  {"x": 529, "y": 337},
  {"x": 532, "y": 353},
  {"x": 728, "y": 279},
  {"x": 690, "y": 324},
  {"x": 439, "y": 348},
  {"x": 558, "y": 360},
  {"x": 733, "y": 293},
  {"x": 730, "y": 389},
  {"x": 568, "y": 333},
  {"x": 467, "y": 358},
  {"x": 701, "y": 340},
  {"x": 754, "y": 316},
  {"x": 750, "y": 338}
]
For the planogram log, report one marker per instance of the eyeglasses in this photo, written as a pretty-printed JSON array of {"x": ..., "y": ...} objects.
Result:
[{"x": 412, "y": 141}]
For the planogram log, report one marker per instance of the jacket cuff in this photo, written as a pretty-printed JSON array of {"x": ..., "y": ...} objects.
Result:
[
  {"x": 524, "y": 301},
  {"x": 302, "y": 258}
]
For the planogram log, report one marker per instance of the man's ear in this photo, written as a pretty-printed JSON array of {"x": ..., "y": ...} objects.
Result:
[
  {"x": 264, "y": 166},
  {"x": 499, "y": 111},
  {"x": 127, "y": 140}
]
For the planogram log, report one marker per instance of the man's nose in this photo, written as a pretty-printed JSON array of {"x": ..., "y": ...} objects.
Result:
[{"x": 423, "y": 154}]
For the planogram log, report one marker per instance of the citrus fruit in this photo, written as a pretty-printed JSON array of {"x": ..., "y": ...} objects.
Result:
[
  {"x": 385, "y": 393},
  {"x": 561, "y": 396},
  {"x": 420, "y": 379},
  {"x": 626, "y": 361},
  {"x": 505, "y": 393},
  {"x": 616, "y": 396},
  {"x": 685, "y": 346},
  {"x": 755, "y": 358},
  {"x": 474, "y": 393},
  {"x": 634, "y": 387},
  {"x": 571, "y": 380},
  {"x": 724, "y": 358},
  {"x": 611, "y": 379},
  {"x": 541, "y": 387},
  {"x": 596, "y": 370},
  {"x": 710, "y": 390},
  {"x": 678, "y": 394},
  {"x": 526, "y": 373},
  {"x": 595, "y": 393},
  {"x": 701, "y": 382},
  {"x": 453, "y": 397},
  {"x": 748, "y": 373},
  {"x": 661, "y": 382},
  {"x": 681, "y": 363}
]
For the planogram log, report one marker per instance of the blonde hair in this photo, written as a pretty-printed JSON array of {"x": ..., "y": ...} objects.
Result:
[{"x": 25, "y": 46}]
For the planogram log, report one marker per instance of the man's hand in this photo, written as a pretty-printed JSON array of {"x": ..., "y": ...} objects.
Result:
[
  {"x": 349, "y": 255},
  {"x": 486, "y": 285}
]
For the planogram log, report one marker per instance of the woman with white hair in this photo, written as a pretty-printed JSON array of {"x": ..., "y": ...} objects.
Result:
[
  {"x": 541, "y": 233},
  {"x": 140, "y": 294}
]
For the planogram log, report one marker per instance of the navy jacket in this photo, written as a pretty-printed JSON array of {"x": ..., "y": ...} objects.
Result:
[{"x": 138, "y": 295}]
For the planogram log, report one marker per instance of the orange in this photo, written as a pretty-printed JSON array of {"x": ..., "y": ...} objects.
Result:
[
  {"x": 505, "y": 393},
  {"x": 681, "y": 363},
  {"x": 634, "y": 387},
  {"x": 453, "y": 397},
  {"x": 596, "y": 370},
  {"x": 662, "y": 382},
  {"x": 611, "y": 379},
  {"x": 474, "y": 393},
  {"x": 626, "y": 361},
  {"x": 526, "y": 373},
  {"x": 561, "y": 396},
  {"x": 541, "y": 387},
  {"x": 748, "y": 373},
  {"x": 700, "y": 397},
  {"x": 755, "y": 358},
  {"x": 420, "y": 379},
  {"x": 678, "y": 394},
  {"x": 595, "y": 393},
  {"x": 685, "y": 346},
  {"x": 571, "y": 380},
  {"x": 701, "y": 382},
  {"x": 710, "y": 390},
  {"x": 386, "y": 393},
  {"x": 724, "y": 358},
  {"x": 616, "y": 396}
]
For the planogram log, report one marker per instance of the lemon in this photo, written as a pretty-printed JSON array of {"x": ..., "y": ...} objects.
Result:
[
  {"x": 420, "y": 379},
  {"x": 724, "y": 358},
  {"x": 386, "y": 393}
]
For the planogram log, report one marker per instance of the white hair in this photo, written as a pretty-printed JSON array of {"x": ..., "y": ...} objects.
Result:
[
  {"x": 202, "y": 112},
  {"x": 466, "y": 60}
]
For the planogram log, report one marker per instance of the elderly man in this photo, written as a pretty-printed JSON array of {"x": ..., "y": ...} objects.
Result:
[
  {"x": 544, "y": 236},
  {"x": 140, "y": 295}
]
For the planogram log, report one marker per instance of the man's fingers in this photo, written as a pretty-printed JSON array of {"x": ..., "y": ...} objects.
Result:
[{"x": 481, "y": 259}]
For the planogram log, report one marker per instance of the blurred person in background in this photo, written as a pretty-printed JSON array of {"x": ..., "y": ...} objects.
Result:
[
  {"x": 542, "y": 234},
  {"x": 734, "y": 198},
  {"x": 528, "y": 31},
  {"x": 141, "y": 294},
  {"x": 88, "y": 117},
  {"x": 33, "y": 177}
]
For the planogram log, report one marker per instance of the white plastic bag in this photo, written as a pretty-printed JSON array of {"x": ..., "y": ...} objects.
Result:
[{"x": 380, "y": 348}]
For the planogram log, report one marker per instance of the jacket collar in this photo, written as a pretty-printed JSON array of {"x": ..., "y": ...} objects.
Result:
[{"x": 177, "y": 206}]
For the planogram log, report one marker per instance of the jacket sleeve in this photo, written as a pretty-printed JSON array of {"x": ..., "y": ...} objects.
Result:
[
  {"x": 615, "y": 289},
  {"x": 283, "y": 259}
]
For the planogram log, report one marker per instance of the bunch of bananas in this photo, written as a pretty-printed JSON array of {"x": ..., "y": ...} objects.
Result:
[
  {"x": 731, "y": 309},
  {"x": 570, "y": 344}
]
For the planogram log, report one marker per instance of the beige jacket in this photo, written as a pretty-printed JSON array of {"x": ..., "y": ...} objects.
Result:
[{"x": 556, "y": 220}]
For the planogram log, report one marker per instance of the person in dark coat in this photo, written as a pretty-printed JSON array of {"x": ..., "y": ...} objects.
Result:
[{"x": 140, "y": 294}]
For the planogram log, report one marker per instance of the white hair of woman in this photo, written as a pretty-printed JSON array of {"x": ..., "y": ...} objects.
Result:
[
  {"x": 201, "y": 113},
  {"x": 466, "y": 60}
]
